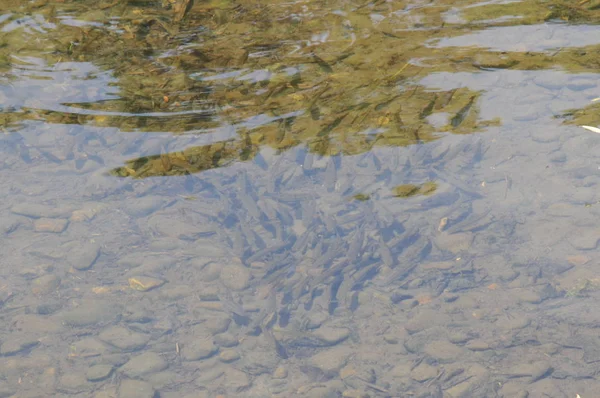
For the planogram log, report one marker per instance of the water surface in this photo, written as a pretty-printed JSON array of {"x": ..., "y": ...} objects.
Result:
[{"x": 318, "y": 199}]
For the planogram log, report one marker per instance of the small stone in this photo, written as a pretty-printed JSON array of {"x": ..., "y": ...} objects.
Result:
[
  {"x": 477, "y": 345},
  {"x": 236, "y": 380},
  {"x": 48, "y": 307},
  {"x": 169, "y": 225},
  {"x": 228, "y": 356},
  {"x": 235, "y": 276},
  {"x": 124, "y": 338},
  {"x": 82, "y": 215},
  {"x": 108, "y": 392},
  {"x": 443, "y": 351},
  {"x": 144, "y": 283},
  {"x": 136, "y": 389},
  {"x": 515, "y": 323},
  {"x": 54, "y": 225},
  {"x": 280, "y": 373},
  {"x": 6, "y": 391},
  {"x": 226, "y": 340},
  {"x": 75, "y": 382},
  {"x": 426, "y": 319},
  {"x": 199, "y": 349},
  {"x": 92, "y": 312},
  {"x": 141, "y": 207},
  {"x": 99, "y": 372},
  {"x": 355, "y": 394},
  {"x": 578, "y": 259},
  {"x": 217, "y": 324},
  {"x": 176, "y": 292},
  {"x": 401, "y": 371},
  {"x": 45, "y": 284},
  {"x": 40, "y": 211},
  {"x": 36, "y": 323},
  {"x": 82, "y": 256},
  {"x": 585, "y": 239},
  {"x": 210, "y": 271},
  {"x": 459, "y": 338},
  {"x": 17, "y": 345},
  {"x": 423, "y": 372},
  {"x": 330, "y": 361},
  {"x": 10, "y": 223},
  {"x": 143, "y": 364},
  {"x": 391, "y": 338},
  {"x": 454, "y": 243},
  {"x": 439, "y": 265},
  {"x": 331, "y": 335},
  {"x": 527, "y": 296}
]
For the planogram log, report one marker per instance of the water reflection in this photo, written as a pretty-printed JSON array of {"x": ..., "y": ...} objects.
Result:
[{"x": 359, "y": 202}]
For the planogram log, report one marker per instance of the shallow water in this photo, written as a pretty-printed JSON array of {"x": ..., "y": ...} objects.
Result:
[{"x": 320, "y": 199}]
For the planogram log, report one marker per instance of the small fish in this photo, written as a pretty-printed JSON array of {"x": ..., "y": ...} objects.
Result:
[{"x": 463, "y": 113}]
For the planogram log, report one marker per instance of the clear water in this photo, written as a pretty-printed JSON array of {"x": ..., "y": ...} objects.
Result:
[{"x": 320, "y": 199}]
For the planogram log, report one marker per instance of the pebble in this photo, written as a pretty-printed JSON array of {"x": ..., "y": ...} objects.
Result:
[
  {"x": 515, "y": 323},
  {"x": 144, "y": 206},
  {"x": 280, "y": 373},
  {"x": 176, "y": 292},
  {"x": 459, "y": 338},
  {"x": 82, "y": 215},
  {"x": 226, "y": 340},
  {"x": 48, "y": 307},
  {"x": 477, "y": 345},
  {"x": 135, "y": 389},
  {"x": 92, "y": 312},
  {"x": 143, "y": 283},
  {"x": 15, "y": 346},
  {"x": 391, "y": 338},
  {"x": 88, "y": 347},
  {"x": 330, "y": 361},
  {"x": 45, "y": 284},
  {"x": 199, "y": 349},
  {"x": 331, "y": 335},
  {"x": 75, "y": 382},
  {"x": 355, "y": 394},
  {"x": 426, "y": 319},
  {"x": 217, "y": 324},
  {"x": 6, "y": 391},
  {"x": 36, "y": 323},
  {"x": 584, "y": 239},
  {"x": 228, "y": 356},
  {"x": 10, "y": 223},
  {"x": 82, "y": 256},
  {"x": 236, "y": 380},
  {"x": 423, "y": 372},
  {"x": 235, "y": 276},
  {"x": 98, "y": 372},
  {"x": 54, "y": 225},
  {"x": 40, "y": 211},
  {"x": 170, "y": 226},
  {"x": 208, "y": 249},
  {"x": 578, "y": 259},
  {"x": 443, "y": 351},
  {"x": 454, "y": 243},
  {"x": 143, "y": 364},
  {"x": 162, "y": 379},
  {"x": 527, "y": 296},
  {"x": 123, "y": 338},
  {"x": 209, "y": 272}
]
